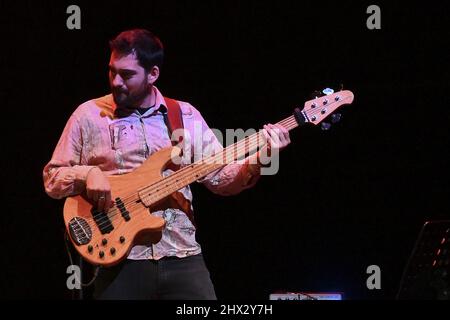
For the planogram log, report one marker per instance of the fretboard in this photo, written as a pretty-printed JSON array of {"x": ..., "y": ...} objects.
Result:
[{"x": 199, "y": 169}]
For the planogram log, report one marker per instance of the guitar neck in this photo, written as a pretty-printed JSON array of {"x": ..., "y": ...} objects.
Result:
[
  {"x": 199, "y": 169},
  {"x": 314, "y": 112}
]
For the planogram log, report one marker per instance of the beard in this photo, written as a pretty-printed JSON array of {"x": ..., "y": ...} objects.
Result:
[{"x": 125, "y": 99}]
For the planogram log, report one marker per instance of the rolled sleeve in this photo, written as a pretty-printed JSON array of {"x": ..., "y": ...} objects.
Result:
[{"x": 233, "y": 177}]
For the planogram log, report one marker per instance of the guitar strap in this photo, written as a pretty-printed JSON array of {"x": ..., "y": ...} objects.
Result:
[{"x": 174, "y": 120}]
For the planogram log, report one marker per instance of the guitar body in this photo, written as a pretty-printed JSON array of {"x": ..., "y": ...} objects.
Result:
[{"x": 107, "y": 239}]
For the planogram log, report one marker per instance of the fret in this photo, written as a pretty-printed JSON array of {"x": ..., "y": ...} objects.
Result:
[{"x": 196, "y": 171}]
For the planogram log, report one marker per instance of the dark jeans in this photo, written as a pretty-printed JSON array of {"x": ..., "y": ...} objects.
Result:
[{"x": 169, "y": 278}]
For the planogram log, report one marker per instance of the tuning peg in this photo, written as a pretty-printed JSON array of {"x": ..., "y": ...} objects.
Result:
[
  {"x": 328, "y": 91},
  {"x": 325, "y": 126},
  {"x": 316, "y": 94},
  {"x": 336, "y": 117}
]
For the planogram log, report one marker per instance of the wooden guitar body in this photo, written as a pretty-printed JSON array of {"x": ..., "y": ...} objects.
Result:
[{"x": 107, "y": 239}]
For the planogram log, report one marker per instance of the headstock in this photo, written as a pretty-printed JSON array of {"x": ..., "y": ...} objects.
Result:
[{"x": 319, "y": 108}]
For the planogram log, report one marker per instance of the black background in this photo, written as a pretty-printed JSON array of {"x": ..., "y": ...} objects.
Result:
[{"x": 343, "y": 200}]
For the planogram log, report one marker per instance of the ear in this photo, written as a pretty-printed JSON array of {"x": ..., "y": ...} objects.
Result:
[{"x": 153, "y": 75}]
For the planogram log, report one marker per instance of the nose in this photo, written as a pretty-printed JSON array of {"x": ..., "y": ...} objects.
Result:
[{"x": 117, "y": 81}]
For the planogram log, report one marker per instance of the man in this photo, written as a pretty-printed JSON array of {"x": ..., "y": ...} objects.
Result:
[{"x": 115, "y": 134}]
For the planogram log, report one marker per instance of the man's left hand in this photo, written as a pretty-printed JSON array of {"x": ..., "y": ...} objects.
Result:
[{"x": 277, "y": 137}]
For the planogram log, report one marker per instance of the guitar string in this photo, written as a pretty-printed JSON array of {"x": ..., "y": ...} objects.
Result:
[
  {"x": 170, "y": 179},
  {"x": 312, "y": 112},
  {"x": 252, "y": 143},
  {"x": 196, "y": 169},
  {"x": 247, "y": 144},
  {"x": 200, "y": 167},
  {"x": 243, "y": 141}
]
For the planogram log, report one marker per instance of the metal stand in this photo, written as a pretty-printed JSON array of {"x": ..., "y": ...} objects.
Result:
[{"x": 426, "y": 275}]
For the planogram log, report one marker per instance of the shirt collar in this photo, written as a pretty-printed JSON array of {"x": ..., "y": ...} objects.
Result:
[
  {"x": 108, "y": 107},
  {"x": 158, "y": 108}
]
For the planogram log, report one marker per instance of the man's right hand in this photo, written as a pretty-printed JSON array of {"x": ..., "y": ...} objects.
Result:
[{"x": 98, "y": 189}]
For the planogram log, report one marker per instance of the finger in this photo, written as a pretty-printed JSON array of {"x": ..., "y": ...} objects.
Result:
[
  {"x": 267, "y": 140},
  {"x": 101, "y": 202},
  {"x": 283, "y": 130},
  {"x": 279, "y": 128},
  {"x": 283, "y": 135},
  {"x": 286, "y": 135},
  {"x": 275, "y": 129},
  {"x": 269, "y": 130},
  {"x": 89, "y": 193},
  {"x": 266, "y": 134},
  {"x": 108, "y": 202},
  {"x": 94, "y": 196},
  {"x": 275, "y": 136}
]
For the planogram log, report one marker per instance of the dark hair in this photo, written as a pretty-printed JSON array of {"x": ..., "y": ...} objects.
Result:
[{"x": 148, "y": 48}]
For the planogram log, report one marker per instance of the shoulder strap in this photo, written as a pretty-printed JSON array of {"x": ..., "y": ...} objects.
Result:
[
  {"x": 173, "y": 117},
  {"x": 174, "y": 120}
]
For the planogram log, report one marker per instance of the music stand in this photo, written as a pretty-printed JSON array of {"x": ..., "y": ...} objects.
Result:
[{"x": 426, "y": 275}]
